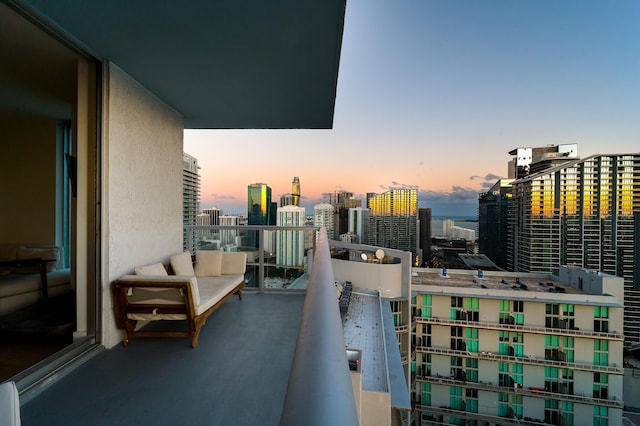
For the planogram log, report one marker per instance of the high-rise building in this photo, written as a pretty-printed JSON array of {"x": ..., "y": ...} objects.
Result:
[
  {"x": 290, "y": 243},
  {"x": 323, "y": 215},
  {"x": 228, "y": 236},
  {"x": 259, "y": 204},
  {"x": 342, "y": 202},
  {"x": 393, "y": 220},
  {"x": 214, "y": 214},
  {"x": 529, "y": 348},
  {"x": 286, "y": 200},
  {"x": 529, "y": 160},
  {"x": 424, "y": 235},
  {"x": 585, "y": 213},
  {"x": 493, "y": 211},
  {"x": 295, "y": 191},
  {"x": 190, "y": 197},
  {"x": 359, "y": 223}
]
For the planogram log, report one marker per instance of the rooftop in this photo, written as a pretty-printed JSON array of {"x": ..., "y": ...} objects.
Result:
[
  {"x": 364, "y": 310},
  {"x": 495, "y": 280}
]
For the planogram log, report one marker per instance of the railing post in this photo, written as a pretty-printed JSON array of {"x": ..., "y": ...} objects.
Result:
[{"x": 320, "y": 390}]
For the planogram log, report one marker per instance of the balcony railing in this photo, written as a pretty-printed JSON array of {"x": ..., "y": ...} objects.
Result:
[
  {"x": 529, "y": 360},
  {"x": 535, "y": 392},
  {"x": 320, "y": 390},
  {"x": 278, "y": 257},
  {"x": 523, "y": 328}
]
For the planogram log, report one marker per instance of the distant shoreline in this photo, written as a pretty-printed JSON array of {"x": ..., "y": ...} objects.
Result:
[{"x": 460, "y": 218}]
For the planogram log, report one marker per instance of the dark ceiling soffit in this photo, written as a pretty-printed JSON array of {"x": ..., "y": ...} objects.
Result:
[{"x": 297, "y": 97}]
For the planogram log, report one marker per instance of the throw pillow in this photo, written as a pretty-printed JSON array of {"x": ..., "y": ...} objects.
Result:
[
  {"x": 208, "y": 263},
  {"x": 234, "y": 263},
  {"x": 155, "y": 269},
  {"x": 182, "y": 264}
]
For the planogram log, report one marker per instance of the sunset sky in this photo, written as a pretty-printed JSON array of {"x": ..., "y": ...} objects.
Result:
[{"x": 433, "y": 95}]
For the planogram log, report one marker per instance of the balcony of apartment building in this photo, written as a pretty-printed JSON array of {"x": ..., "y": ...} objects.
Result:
[{"x": 277, "y": 355}]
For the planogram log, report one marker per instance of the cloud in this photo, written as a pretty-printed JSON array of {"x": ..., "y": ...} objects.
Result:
[
  {"x": 488, "y": 176},
  {"x": 225, "y": 197},
  {"x": 459, "y": 201}
]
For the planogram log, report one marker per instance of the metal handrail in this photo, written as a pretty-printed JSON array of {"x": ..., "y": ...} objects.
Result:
[{"x": 319, "y": 390}]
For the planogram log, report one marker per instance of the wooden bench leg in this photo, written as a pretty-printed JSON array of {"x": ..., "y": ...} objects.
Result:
[
  {"x": 240, "y": 294},
  {"x": 130, "y": 326}
]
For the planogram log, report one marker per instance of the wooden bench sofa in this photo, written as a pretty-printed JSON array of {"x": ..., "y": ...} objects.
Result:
[{"x": 179, "y": 291}]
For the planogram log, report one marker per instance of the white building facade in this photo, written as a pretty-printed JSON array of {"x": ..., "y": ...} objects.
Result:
[
  {"x": 290, "y": 243},
  {"x": 323, "y": 215},
  {"x": 359, "y": 223}
]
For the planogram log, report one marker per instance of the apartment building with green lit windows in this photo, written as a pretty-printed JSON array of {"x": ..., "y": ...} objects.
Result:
[{"x": 513, "y": 348}]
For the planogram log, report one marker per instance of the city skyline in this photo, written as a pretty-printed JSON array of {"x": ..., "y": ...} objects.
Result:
[{"x": 433, "y": 95}]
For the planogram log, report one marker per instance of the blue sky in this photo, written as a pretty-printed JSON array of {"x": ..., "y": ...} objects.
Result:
[{"x": 433, "y": 94}]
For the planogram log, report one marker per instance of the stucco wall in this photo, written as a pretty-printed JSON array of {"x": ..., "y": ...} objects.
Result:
[
  {"x": 28, "y": 181},
  {"x": 142, "y": 185},
  {"x": 386, "y": 278}
]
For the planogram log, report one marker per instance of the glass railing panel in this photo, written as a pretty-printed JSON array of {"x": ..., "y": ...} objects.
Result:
[{"x": 278, "y": 258}]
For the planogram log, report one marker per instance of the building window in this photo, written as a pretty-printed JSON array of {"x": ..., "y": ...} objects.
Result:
[
  {"x": 566, "y": 409},
  {"x": 396, "y": 310},
  {"x": 511, "y": 343},
  {"x": 425, "y": 394},
  {"x": 600, "y": 416},
  {"x": 425, "y": 307},
  {"x": 457, "y": 341},
  {"x": 551, "y": 412},
  {"x": 510, "y": 375},
  {"x": 457, "y": 312},
  {"x": 471, "y": 402},
  {"x": 566, "y": 385},
  {"x": 567, "y": 348},
  {"x": 457, "y": 372},
  {"x": 568, "y": 320},
  {"x": 551, "y": 376},
  {"x": 601, "y": 319},
  {"x": 455, "y": 398},
  {"x": 424, "y": 335},
  {"x": 560, "y": 316},
  {"x": 472, "y": 370},
  {"x": 508, "y": 408},
  {"x": 423, "y": 364},
  {"x": 600, "y": 352},
  {"x": 518, "y": 312},
  {"x": 511, "y": 312},
  {"x": 558, "y": 349},
  {"x": 473, "y": 308},
  {"x": 601, "y": 385},
  {"x": 552, "y": 318},
  {"x": 472, "y": 339}
]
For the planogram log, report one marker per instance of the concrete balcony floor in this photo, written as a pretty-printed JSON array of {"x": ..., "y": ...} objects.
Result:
[{"x": 237, "y": 375}]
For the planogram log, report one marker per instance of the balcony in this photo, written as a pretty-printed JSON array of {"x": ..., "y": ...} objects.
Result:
[
  {"x": 251, "y": 363},
  {"x": 595, "y": 399},
  {"x": 523, "y": 328},
  {"x": 243, "y": 360},
  {"x": 529, "y": 360}
]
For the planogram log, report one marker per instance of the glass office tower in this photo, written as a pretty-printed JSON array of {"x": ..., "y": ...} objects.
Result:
[{"x": 259, "y": 204}]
